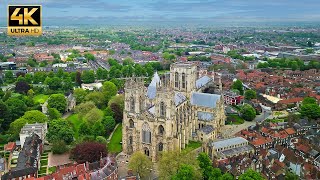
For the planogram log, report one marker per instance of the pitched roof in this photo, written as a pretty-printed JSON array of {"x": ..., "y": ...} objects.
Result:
[
  {"x": 203, "y": 81},
  {"x": 179, "y": 98},
  {"x": 205, "y": 100},
  {"x": 207, "y": 129},
  {"x": 290, "y": 131},
  {"x": 152, "y": 88},
  {"x": 290, "y": 101},
  {"x": 229, "y": 142},
  {"x": 205, "y": 116}
]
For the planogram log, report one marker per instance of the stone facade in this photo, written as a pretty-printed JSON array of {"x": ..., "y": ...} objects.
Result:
[{"x": 170, "y": 112}]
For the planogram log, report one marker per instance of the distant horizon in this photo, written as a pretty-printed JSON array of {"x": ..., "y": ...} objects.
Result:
[{"x": 210, "y": 12}]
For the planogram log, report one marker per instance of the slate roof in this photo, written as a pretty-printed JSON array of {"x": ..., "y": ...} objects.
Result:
[
  {"x": 207, "y": 129},
  {"x": 28, "y": 159},
  {"x": 205, "y": 116},
  {"x": 203, "y": 81},
  {"x": 205, "y": 100},
  {"x": 152, "y": 88},
  {"x": 229, "y": 142},
  {"x": 179, "y": 98}
]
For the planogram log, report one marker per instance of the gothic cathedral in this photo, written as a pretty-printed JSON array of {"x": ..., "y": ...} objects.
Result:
[{"x": 171, "y": 111}]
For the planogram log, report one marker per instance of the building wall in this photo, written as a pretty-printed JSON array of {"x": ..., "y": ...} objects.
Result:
[{"x": 178, "y": 122}]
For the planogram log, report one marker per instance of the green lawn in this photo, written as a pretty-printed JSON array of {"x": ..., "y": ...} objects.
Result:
[
  {"x": 41, "y": 98},
  {"x": 114, "y": 145},
  {"x": 76, "y": 124},
  {"x": 234, "y": 119},
  {"x": 192, "y": 145}
]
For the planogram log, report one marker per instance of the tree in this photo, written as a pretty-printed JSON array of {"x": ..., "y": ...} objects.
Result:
[
  {"x": 251, "y": 174},
  {"x": 85, "y": 129},
  {"x": 59, "y": 129},
  {"x": 94, "y": 115},
  {"x": 59, "y": 147},
  {"x": 30, "y": 117},
  {"x": 78, "y": 78},
  {"x": 101, "y": 139},
  {"x": 309, "y": 100},
  {"x": 119, "y": 99},
  {"x": 102, "y": 73},
  {"x": 238, "y": 85},
  {"x": 83, "y": 108},
  {"x": 227, "y": 176},
  {"x": 53, "y": 113},
  {"x": 16, "y": 109},
  {"x": 57, "y": 101},
  {"x": 291, "y": 176},
  {"x": 22, "y": 87},
  {"x": 89, "y": 56},
  {"x": 87, "y": 76},
  {"x": 67, "y": 84},
  {"x": 248, "y": 112},
  {"x": 79, "y": 94},
  {"x": 117, "y": 111},
  {"x": 205, "y": 165},
  {"x": 39, "y": 77},
  {"x": 53, "y": 83},
  {"x": 108, "y": 112},
  {"x": 16, "y": 126},
  {"x": 109, "y": 123},
  {"x": 312, "y": 111},
  {"x": 4, "y": 112},
  {"x": 8, "y": 77},
  {"x": 88, "y": 152},
  {"x": 35, "y": 116},
  {"x": 171, "y": 161},
  {"x": 185, "y": 172},
  {"x": 98, "y": 129},
  {"x": 140, "y": 164},
  {"x": 109, "y": 89},
  {"x": 250, "y": 94},
  {"x": 98, "y": 99}
]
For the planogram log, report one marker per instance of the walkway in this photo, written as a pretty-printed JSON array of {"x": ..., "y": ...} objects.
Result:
[{"x": 109, "y": 138}]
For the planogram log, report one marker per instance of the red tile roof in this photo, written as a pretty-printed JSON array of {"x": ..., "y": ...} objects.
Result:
[
  {"x": 290, "y": 101},
  {"x": 10, "y": 146},
  {"x": 290, "y": 131}
]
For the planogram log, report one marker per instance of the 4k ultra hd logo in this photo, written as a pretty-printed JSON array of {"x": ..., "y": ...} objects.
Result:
[{"x": 24, "y": 20}]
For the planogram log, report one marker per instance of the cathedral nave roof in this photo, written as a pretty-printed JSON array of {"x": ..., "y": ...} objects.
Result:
[{"x": 204, "y": 99}]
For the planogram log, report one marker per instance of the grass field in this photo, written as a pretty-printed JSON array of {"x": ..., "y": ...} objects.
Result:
[
  {"x": 234, "y": 119},
  {"x": 114, "y": 145},
  {"x": 76, "y": 124},
  {"x": 41, "y": 98},
  {"x": 192, "y": 145}
]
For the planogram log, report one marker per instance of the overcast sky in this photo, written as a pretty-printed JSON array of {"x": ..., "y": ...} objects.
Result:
[{"x": 175, "y": 10}]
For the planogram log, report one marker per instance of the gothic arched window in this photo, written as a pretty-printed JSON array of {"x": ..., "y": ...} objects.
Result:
[
  {"x": 132, "y": 104},
  {"x": 161, "y": 130},
  {"x": 146, "y": 133},
  {"x": 160, "y": 146},
  {"x": 131, "y": 123},
  {"x": 183, "y": 80},
  {"x": 146, "y": 151},
  {"x": 162, "y": 110},
  {"x": 176, "y": 80}
]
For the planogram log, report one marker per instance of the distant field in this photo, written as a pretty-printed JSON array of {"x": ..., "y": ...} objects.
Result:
[
  {"x": 76, "y": 121},
  {"x": 114, "y": 145},
  {"x": 41, "y": 98}
]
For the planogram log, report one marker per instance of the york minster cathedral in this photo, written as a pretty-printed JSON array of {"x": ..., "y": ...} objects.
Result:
[{"x": 171, "y": 111}]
